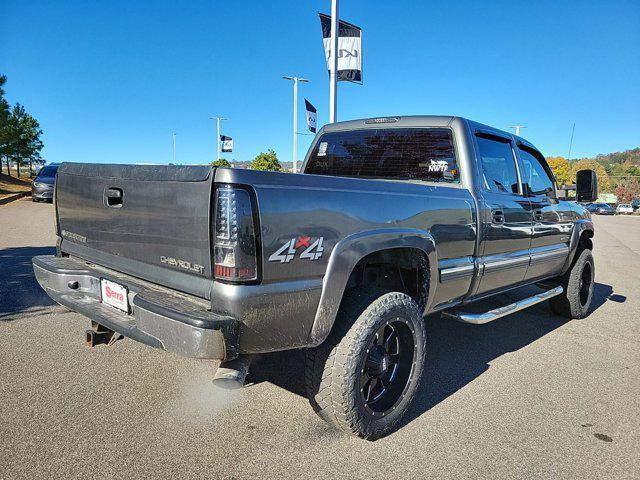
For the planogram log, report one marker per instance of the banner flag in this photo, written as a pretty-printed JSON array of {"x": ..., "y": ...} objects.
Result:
[
  {"x": 227, "y": 143},
  {"x": 349, "y": 49},
  {"x": 311, "y": 116}
]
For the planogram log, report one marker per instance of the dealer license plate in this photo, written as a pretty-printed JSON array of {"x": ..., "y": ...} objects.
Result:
[{"x": 114, "y": 295}]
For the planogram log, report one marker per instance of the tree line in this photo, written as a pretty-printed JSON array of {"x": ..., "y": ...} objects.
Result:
[
  {"x": 617, "y": 172},
  {"x": 20, "y": 134},
  {"x": 264, "y": 161}
]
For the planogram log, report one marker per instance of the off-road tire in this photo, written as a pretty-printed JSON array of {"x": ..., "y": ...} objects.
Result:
[
  {"x": 333, "y": 369},
  {"x": 571, "y": 304}
]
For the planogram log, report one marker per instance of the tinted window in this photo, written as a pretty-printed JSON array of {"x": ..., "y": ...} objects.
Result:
[
  {"x": 48, "y": 171},
  {"x": 393, "y": 153},
  {"x": 498, "y": 165},
  {"x": 535, "y": 178}
]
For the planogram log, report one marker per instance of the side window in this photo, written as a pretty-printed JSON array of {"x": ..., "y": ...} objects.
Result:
[
  {"x": 498, "y": 165},
  {"x": 535, "y": 178}
]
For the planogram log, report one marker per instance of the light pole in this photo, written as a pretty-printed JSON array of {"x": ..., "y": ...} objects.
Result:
[
  {"x": 295, "y": 118},
  {"x": 333, "y": 72},
  {"x": 218, "y": 120},
  {"x": 174, "y": 148},
  {"x": 517, "y": 128}
]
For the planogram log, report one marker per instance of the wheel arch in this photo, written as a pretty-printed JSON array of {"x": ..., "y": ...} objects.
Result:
[
  {"x": 580, "y": 238},
  {"x": 347, "y": 255}
]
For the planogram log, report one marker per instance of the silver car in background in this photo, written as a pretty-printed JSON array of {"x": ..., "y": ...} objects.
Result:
[{"x": 42, "y": 186}]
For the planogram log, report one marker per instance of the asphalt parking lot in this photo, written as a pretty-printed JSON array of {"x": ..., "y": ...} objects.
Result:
[{"x": 529, "y": 395}]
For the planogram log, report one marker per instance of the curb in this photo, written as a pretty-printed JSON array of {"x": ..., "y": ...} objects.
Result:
[{"x": 11, "y": 198}]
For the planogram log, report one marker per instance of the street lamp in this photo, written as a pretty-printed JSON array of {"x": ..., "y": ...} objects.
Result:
[
  {"x": 174, "y": 148},
  {"x": 517, "y": 128},
  {"x": 295, "y": 117}
]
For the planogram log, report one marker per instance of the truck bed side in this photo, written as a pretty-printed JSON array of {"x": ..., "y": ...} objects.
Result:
[{"x": 305, "y": 208}]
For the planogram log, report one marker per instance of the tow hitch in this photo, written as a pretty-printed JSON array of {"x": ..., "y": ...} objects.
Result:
[{"x": 100, "y": 334}]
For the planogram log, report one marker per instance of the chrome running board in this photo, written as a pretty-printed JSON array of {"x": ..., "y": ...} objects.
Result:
[{"x": 490, "y": 316}]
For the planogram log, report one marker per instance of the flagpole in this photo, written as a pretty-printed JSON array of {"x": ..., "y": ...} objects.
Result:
[
  {"x": 333, "y": 73},
  {"x": 295, "y": 123},
  {"x": 295, "y": 118},
  {"x": 218, "y": 120}
]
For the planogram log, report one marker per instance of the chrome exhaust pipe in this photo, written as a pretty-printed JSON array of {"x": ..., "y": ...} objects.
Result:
[{"x": 231, "y": 375}]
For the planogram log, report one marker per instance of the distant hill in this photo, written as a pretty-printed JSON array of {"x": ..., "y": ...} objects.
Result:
[{"x": 630, "y": 156}]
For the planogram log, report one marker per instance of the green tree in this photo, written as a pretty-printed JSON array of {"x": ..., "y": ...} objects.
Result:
[
  {"x": 561, "y": 169},
  {"x": 5, "y": 137},
  {"x": 223, "y": 162},
  {"x": 25, "y": 143},
  {"x": 19, "y": 134},
  {"x": 621, "y": 171},
  {"x": 604, "y": 183},
  {"x": 267, "y": 161}
]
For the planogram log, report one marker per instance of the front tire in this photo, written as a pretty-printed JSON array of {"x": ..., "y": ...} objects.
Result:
[
  {"x": 578, "y": 284},
  {"x": 364, "y": 377}
]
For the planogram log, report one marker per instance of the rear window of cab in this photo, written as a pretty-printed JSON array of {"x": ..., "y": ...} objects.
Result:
[{"x": 425, "y": 154}]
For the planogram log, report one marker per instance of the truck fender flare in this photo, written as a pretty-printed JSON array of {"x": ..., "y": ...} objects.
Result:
[
  {"x": 346, "y": 255},
  {"x": 579, "y": 228}
]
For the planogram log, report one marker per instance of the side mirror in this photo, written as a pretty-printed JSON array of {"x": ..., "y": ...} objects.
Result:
[{"x": 586, "y": 186}]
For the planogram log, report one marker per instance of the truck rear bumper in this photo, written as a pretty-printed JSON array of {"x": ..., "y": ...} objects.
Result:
[{"x": 157, "y": 317}]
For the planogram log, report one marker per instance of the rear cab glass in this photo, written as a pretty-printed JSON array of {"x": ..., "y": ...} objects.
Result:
[{"x": 423, "y": 154}]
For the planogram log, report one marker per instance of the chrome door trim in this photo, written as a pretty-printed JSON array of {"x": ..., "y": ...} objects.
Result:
[
  {"x": 553, "y": 252},
  {"x": 455, "y": 273},
  {"x": 499, "y": 262}
]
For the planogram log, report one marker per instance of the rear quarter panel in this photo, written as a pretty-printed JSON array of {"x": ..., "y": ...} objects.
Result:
[{"x": 299, "y": 205}]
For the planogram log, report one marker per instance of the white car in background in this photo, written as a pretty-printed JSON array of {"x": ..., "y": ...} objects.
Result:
[{"x": 624, "y": 209}]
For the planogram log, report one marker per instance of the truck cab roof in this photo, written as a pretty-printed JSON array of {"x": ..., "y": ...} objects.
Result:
[{"x": 409, "y": 121}]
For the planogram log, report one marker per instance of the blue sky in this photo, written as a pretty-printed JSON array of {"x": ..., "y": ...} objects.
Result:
[{"x": 110, "y": 81}]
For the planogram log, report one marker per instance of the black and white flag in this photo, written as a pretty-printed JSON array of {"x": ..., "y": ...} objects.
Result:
[
  {"x": 311, "y": 116},
  {"x": 349, "y": 49},
  {"x": 227, "y": 143}
]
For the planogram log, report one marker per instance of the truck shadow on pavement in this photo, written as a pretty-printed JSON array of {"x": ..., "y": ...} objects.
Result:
[
  {"x": 19, "y": 290},
  {"x": 457, "y": 353}
]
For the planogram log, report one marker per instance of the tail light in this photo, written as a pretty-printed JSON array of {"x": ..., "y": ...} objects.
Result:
[{"x": 234, "y": 235}]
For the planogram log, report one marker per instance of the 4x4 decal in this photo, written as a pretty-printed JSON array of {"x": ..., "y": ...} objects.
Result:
[{"x": 312, "y": 249}]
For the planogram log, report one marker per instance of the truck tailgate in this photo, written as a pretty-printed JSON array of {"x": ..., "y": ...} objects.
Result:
[{"x": 150, "y": 221}]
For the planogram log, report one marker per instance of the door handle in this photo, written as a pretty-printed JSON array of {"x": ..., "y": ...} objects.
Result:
[
  {"x": 537, "y": 215},
  {"x": 113, "y": 197},
  {"x": 497, "y": 217}
]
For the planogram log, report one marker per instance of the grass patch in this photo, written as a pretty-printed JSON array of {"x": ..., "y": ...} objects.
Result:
[{"x": 11, "y": 185}]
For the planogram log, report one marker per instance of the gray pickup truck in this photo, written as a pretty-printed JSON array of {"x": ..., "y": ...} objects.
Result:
[{"x": 393, "y": 219}]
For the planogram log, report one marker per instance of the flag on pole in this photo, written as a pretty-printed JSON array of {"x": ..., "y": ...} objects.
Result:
[
  {"x": 227, "y": 143},
  {"x": 349, "y": 49},
  {"x": 311, "y": 116}
]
